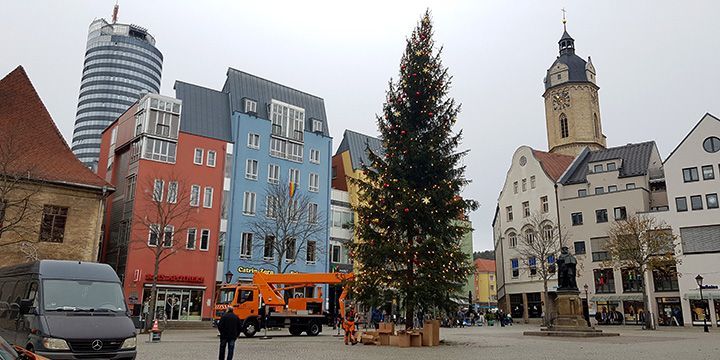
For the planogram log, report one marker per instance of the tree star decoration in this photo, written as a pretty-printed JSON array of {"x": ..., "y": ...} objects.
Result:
[{"x": 426, "y": 200}]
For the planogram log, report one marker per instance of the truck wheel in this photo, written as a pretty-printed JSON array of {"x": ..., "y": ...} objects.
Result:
[
  {"x": 314, "y": 329},
  {"x": 250, "y": 328},
  {"x": 295, "y": 330}
]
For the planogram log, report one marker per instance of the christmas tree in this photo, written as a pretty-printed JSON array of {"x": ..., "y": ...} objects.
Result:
[{"x": 410, "y": 210}]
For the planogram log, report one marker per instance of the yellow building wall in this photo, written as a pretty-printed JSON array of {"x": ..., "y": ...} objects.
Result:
[{"x": 485, "y": 288}]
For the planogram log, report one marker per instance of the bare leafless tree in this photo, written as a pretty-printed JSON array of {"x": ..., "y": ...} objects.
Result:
[
  {"x": 539, "y": 244},
  {"x": 163, "y": 214},
  {"x": 642, "y": 243},
  {"x": 294, "y": 220},
  {"x": 20, "y": 208}
]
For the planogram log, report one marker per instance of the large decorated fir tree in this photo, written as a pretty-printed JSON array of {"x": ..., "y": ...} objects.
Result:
[{"x": 410, "y": 210}]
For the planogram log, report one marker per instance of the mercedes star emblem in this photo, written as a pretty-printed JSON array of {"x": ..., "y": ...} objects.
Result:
[{"x": 97, "y": 345}]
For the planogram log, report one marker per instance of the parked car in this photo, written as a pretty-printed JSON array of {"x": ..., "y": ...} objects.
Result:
[
  {"x": 9, "y": 352},
  {"x": 66, "y": 310}
]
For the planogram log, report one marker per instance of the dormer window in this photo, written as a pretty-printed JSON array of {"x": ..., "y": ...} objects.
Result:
[
  {"x": 598, "y": 168},
  {"x": 611, "y": 166},
  {"x": 317, "y": 125},
  {"x": 250, "y": 106}
]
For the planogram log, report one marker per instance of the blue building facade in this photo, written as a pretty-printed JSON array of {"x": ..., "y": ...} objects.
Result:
[{"x": 280, "y": 136}]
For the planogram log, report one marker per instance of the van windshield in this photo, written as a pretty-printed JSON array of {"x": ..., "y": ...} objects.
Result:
[
  {"x": 82, "y": 295},
  {"x": 226, "y": 296}
]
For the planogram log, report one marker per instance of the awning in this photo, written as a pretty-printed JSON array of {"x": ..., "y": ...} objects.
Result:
[
  {"x": 615, "y": 297},
  {"x": 707, "y": 294}
]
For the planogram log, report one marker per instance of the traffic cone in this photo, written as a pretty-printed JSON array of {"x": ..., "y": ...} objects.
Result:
[{"x": 155, "y": 327}]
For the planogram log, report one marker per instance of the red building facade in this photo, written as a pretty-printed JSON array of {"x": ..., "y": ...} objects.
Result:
[{"x": 153, "y": 161}]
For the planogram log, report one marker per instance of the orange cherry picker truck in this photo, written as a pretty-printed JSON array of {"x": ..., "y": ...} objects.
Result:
[{"x": 281, "y": 300}]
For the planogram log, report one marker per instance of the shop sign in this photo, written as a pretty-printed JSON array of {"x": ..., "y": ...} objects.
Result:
[
  {"x": 253, "y": 270},
  {"x": 176, "y": 278}
]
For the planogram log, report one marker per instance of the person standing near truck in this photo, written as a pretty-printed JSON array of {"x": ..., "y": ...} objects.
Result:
[
  {"x": 349, "y": 327},
  {"x": 229, "y": 328}
]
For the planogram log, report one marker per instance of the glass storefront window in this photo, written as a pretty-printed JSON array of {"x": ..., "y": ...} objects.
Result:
[
  {"x": 177, "y": 304},
  {"x": 534, "y": 303},
  {"x": 607, "y": 313},
  {"x": 631, "y": 281},
  {"x": 516, "y": 306},
  {"x": 698, "y": 309},
  {"x": 604, "y": 281},
  {"x": 717, "y": 311},
  {"x": 634, "y": 312},
  {"x": 669, "y": 311},
  {"x": 665, "y": 280}
]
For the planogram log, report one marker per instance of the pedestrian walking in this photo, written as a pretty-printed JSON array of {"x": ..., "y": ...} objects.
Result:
[{"x": 229, "y": 328}]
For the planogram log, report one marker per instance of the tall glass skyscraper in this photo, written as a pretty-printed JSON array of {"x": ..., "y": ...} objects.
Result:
[{"x": 121, "y": 62}]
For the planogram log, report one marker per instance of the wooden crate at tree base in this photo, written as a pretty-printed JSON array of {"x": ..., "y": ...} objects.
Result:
[
  {"x": 394, "y": 340},
  {"x": 415, "y": 339},
  {"x": 436, "y": 332},
  {"x": 387, "y": 328},
  {"x": 385, "y": 339},
  {"x": 403, "y": 339},
  {"x": 428, "y": 333}
]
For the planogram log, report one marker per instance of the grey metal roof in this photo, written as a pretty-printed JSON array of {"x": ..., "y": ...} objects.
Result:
[
  {"x": 358, "y": 144},
  {"x": 635, "y": 161},
  {"x": 576, "y": 65},
  {"x": 241, "y": 85},
  {"x": 205, "y": 112}
]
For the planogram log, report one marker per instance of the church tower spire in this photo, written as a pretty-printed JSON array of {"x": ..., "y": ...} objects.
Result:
[{"x": 572, "y": 109}]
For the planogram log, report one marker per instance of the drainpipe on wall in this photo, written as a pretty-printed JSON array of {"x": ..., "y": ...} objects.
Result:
[{"x": 99, "y": 226}]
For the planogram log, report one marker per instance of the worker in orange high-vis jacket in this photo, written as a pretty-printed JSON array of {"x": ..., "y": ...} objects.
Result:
[{"x": 349, "y": 327}]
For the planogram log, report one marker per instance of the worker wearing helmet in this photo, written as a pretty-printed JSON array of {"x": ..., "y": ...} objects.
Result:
[{"x": 349, "y": 327}]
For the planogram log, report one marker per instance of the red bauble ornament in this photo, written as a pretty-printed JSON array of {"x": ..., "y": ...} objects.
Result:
[
  {"x": 402, "y": 132},
  {"x": 407, "y": 210},
  {"x": 430, "y": 113},
  {"x": 417, "y": 93}
]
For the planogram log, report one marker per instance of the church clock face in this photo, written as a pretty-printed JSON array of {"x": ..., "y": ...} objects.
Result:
[{"x": 561, "y": 100}]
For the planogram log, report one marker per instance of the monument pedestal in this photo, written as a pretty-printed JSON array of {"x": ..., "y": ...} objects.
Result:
[{"x": 570, "y": 321}]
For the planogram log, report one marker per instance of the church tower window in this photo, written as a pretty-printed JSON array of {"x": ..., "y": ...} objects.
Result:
[{"x": 564, "y": 131}]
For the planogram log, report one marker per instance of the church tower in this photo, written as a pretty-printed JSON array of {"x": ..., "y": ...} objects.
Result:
[{"x": 572, "y": 110}]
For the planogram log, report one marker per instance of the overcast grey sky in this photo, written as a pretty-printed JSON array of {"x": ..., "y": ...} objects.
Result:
[{"x": 657, "y": 62}]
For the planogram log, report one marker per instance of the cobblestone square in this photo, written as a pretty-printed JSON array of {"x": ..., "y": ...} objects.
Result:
[{"x": 465, "y": 343}]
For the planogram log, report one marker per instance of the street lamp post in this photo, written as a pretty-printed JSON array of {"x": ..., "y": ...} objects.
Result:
[
  {"x": 699, "y": 280},
  {"x": 587, "y": 301},
  {"x": 228, "y": 277}
]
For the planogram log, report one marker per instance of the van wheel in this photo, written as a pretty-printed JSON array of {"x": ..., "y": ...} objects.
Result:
[
  {"x": 295, "y": 330},
  {"x": 314, "y": 329},
  {"x": 250, "y": 329}
]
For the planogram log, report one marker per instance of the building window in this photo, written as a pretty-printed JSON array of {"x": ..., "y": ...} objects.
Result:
[
  {"x": 168, "y": 236},
  {"x": 195, "y": 195},
  {"x": 249, "y": 203},
  {"x": 524, "y": 185},
  {"x": 253, "y": 141},
  {"x": 335, "y": 254},
  {"x": 317, "y": 125},
  {"x": 312, "y": 213},
  {"x": 579, "y": 247},
  {"x": 515, "y": 264},
  {"x": 599, "y": 190},
  {"x": 515, "y": 187},
  {"x": 582, "y": 192},
  {"x": 696, "y": 202},
  {"x": 52, "y": 228},
  {"x": 314, "y": 156},
  {"x": 629, "y": 186},
  {"x": 198, "y": 159},
  {"x": 314, "y": 185},
  {"x": 271, "y": 204},
  {"x": 250, "y": 106},
  {"x": 508, "y": 211},
  {"x": 269, "y": 248},
  {"x": 529, "y": 236},
  {"x": 564, "y": 131},
  {"x": 532, "y": 182},
  {"x": 631, "y": 280},
  {"x": 295, "y": 152},
  {"x": 153, "y": 232},
  {"x": 601, "y": 216},
  {"x": 577, "y": 218},
  {"x": 665, "y": 280},
  {"x": 158, "y": 190},
  {"x": 130, "y": 187},
  {"x": 690, "y": 174},
  {"x": 246, "y": 246},
  {"x": 290, "y": 249},
  {"x": 681, "y": 203},
  {"x": 160, "y": 150},
  {"x": 544, "y": 205},
  {"x": 711, "y": 144},
  {"x": 208, "y": 197},
  {"x": 310, "y": 252},
  {"x": 221, "y": 246},
  {"x": 526, "y": 208},
  {"x": 251, "y": 169},
  {"x": 334, "y": 172},
  {"x": 612, "y": 188},
  {"x": 172, "y": 192},
  {"x": 211, "y": 158},
  {"x": 712, "y": 201},
  {"x": 287, "y": 120},
  {"x": 611, "y": 166},
  {"x": 599, "y": 253},
  {"x": 604, "y": 281},
  {"x": 294, "y": 176},
  {"x": 191, "y": 238},
  {"x": 273, "y": 174},
  {"x": 708, "y": 172},
  {"x": 598, "y": 168},
  {"x": 532, "y": 264},
  {"x": 277, "y": 147},
  {"x": 620, "y": 213},
  {"x": 513, "y": 239}
]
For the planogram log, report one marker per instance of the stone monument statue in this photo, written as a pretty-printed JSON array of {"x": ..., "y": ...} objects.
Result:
[{"x": 567, "y": 264}]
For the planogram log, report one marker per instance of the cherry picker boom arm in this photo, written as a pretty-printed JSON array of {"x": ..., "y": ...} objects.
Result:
[{"x": 267, "y": 285}]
